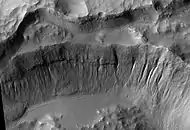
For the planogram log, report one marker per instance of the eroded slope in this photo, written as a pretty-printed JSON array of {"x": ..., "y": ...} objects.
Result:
[
  {"x": 156, "y": 79},
  {"x": 35, "y": 69}
]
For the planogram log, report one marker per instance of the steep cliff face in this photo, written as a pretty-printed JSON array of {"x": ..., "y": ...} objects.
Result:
[
  {"x": 65, "y": 48},
  {"x": 157, "y": 80}
]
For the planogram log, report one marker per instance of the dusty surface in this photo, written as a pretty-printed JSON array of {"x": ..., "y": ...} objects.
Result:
[
  {"x": 77, "y": 110},
  {"x": 95, "y": 64}
]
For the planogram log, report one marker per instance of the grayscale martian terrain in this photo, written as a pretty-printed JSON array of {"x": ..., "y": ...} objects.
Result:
[{"x": 95, "y": 64}]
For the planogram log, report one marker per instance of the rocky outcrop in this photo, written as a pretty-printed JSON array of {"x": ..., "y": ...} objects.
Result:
[
  {"x": 122, "y": 118},
  {"x": 12, "y": 13}
]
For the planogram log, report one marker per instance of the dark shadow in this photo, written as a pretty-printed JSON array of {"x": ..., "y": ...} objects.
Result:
[
  {"x": 10, "y": 46},
  {"x": 157, "y": 5},
  {"x": 3, "y": 127},
  {"x": 186, "y": 1}
]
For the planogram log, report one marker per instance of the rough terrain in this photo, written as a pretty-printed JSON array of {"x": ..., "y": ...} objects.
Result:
[{"x": 63, "y": 48}]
